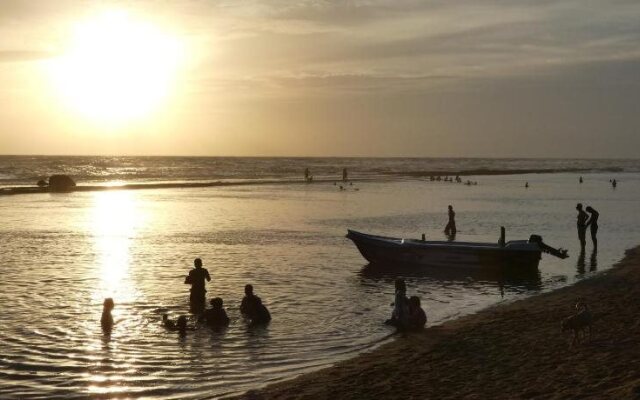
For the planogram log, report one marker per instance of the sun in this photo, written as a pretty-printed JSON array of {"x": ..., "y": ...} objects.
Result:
[{"x": 116, "y": 68}]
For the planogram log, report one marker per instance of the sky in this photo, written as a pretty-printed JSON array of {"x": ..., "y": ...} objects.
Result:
[{"x": 467, "y": 78}]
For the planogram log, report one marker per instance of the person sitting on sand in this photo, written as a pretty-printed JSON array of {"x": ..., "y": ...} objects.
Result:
[
  {"x": 417, "y": 316},
  {"x": 252, "y": 307},
  {"x": 216, "y": 316},
  {"x": 400, "y": 314},
  {"x": 106, "y": 321},
  {"x": 196, "y": 279}
]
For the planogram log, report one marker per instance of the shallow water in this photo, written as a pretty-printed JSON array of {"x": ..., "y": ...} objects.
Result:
[{"x": 62, "y": 254}]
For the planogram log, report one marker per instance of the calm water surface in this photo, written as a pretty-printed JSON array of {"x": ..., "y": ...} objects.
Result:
[{"x": 62, "y": 254}]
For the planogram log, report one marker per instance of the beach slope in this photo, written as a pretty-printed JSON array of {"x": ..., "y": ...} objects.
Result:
[{"x": 509, "y": 351}]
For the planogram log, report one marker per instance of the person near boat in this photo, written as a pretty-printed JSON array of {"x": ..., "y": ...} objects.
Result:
[
  {"x": 417, "y": 316},
  {"x": 582, "y": 225},
  {"x": 592, "y": 223},
  {"x": 450, "y": 229}
]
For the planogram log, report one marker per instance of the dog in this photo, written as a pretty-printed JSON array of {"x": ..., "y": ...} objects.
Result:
[{"x": 579, "y": 322}]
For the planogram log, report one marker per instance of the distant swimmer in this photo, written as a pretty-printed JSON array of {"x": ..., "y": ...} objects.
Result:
[
  {"x": 593, "y": 225},
  {"x": 216, "y": 316},
  {"x": 614, "y": 183},
  {"x": 582, "y": 225},
  {"x": 252, "y": 307},
  {"x": 196, "y": 279},
  {"x": 526, "y": 185},
  {"x": 344, "y": 174},
  {"x": 580, "y": 180},
  {"x": 450, "y": 229},
  {"x": 106, "y": 321}
]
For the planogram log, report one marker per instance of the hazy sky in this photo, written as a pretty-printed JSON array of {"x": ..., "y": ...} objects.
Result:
[{"x": 528, "y": 78}]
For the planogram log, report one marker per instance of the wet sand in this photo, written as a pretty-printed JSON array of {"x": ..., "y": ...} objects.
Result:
[{"x": 508, "y": 351}]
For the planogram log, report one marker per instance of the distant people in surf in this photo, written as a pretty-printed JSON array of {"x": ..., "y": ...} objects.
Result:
[
  {"x": 344, "y": 174},
  {"x": 196, "y": 279},
  {"x": 106, "y": 321},
  {"x": 526, "y": 185},
  {"x": 216, "y": 316},
  {"x": 253, "y": 309},
  {"x": 450, "y": 229},
  {"x": 582, "y": 225},
  {"x": 614, "y": 183},
  {"x": 580, "y": 180},
  {"x": 307, "y": 175},
  {"x": 592, "y": 223}
]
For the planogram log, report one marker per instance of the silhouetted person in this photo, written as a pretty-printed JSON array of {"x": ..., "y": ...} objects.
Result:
[
  {"x": 450, "y": 229},
  {"x": 252, "y": 307},
  {"x": 582, "y": 225},
  {"x": 106, "y": 321},
  {"x": 196, "y": 279},
  {"x": 417, "y": 316},
  {"x": 216, "y": 316},
  {"x": 614, "y": 183},
  {"x": 580, "y": 180},
  {"x": 526, "y": 185},
  {"x": 400, "y": 314},
  {"x": 593, "y": 225},
  {"x": 307, "y": 175},
  {"x": 344, "y": 174},
  {"x": 167, "y": 323},
  {"x": 182, "y": 324}
]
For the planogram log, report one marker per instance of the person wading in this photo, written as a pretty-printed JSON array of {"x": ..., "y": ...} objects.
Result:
[
  {"x": 582, "y": 225},
  {"x": 196, "y": 279}
]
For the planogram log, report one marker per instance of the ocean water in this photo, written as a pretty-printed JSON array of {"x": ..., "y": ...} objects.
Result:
[{"x": 63, "y": 253}]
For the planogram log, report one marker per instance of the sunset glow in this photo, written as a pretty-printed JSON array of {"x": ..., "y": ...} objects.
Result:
[{"x": 116, "y": 68}]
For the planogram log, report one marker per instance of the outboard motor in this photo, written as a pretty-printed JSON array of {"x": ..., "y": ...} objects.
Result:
[{"x": 559, "y": 252}]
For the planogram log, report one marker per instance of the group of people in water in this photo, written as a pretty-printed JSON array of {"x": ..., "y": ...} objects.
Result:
[{"x": 251, "y": 307}]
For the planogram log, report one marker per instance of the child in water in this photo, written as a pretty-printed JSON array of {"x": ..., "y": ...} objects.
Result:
[
  {"x": 167, "y": 322},
  {"x": 106, "y": 321},
  {"x": 400, "y": 315},
  {"x": 216, "y": 316}
]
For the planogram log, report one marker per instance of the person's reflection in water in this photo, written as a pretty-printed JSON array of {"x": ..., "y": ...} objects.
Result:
[
  {"x": 581, "y": 262},
  {"x": 593, "y": 262}
]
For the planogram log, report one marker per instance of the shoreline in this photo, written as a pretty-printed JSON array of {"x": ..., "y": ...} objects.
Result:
[
  {"x": 514, "y": 350},
  {"x": 390, "y": 176}
]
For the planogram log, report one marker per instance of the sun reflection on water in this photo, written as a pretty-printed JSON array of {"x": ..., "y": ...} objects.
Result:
[{"x": 114, "y": 222}]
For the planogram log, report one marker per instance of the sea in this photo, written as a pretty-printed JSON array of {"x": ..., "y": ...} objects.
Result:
[{"x": 62, "y": 254}]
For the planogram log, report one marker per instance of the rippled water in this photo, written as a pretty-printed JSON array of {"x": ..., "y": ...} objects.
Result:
[{"x": 62, "y": 254}]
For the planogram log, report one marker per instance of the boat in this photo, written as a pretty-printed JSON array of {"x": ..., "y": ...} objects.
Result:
[{"x": 383, "y": 250}]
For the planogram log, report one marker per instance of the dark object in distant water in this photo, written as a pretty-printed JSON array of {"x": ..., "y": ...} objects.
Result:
[
  {"x": 614, "y": 183},
  {"x": 169, "y": 324},
  {"x": 42, "y": 183},
  {"x": 526, "y": 185},
  {"x": 522, "y": 254},
  {"x": 580, "y": 180},
  {"x": 60, "y": 183},
  {"x": 344, "y": 174},
  {"x": 106, "y": 321}
]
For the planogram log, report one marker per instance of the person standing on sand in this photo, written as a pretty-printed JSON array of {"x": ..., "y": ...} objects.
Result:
[
  {"x": 593, "y": 224},
  {"x": 450, "y": 229},
  {"x": 582, "y": 225},
  {"x": 196, "y": 279}
]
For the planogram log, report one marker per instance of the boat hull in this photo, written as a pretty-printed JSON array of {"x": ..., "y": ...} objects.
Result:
[{"x": 387, "y": 251}]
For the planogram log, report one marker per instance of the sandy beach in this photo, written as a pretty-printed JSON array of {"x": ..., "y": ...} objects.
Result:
[{"x": 508, "y": 351}]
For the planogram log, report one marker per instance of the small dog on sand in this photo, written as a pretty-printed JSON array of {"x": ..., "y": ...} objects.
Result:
[{"x": 578, "y": 322}]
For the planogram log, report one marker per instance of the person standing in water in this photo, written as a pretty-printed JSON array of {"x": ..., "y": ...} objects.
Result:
[
  {"x": 593, "y": 224},
  {"x": 196, "y": 279},
  {"x": 582, "y": 225},
  {"x": 450, "y": 229}
]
